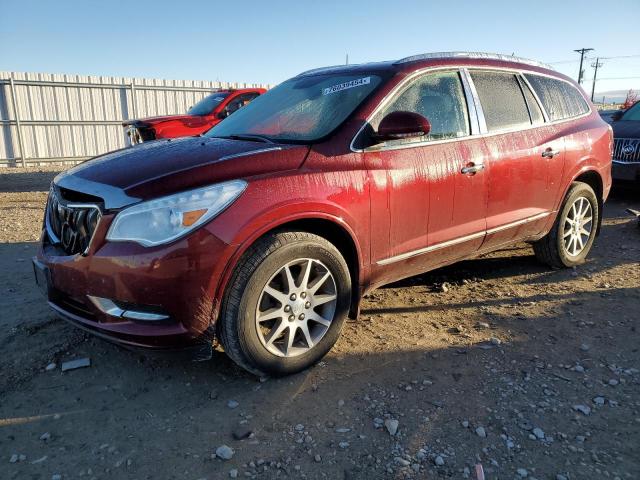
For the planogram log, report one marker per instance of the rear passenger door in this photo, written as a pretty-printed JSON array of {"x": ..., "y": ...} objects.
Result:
[{"x": 526, "y": 158}]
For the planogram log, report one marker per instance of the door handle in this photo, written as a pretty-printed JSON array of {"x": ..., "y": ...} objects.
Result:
[
  {"x": 472, "y": 168},
  {"x": 550, "y": 153}
]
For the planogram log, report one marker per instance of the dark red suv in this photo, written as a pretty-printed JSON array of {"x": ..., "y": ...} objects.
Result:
[
  {"x": 205, "y": 114},
  {"x": 265, "y": 233}
]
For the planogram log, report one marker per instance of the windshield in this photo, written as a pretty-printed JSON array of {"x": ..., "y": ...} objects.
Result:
[
  {"x": 633, "y": 113},
  {"x": 300, "y": 110},
  {"x": 207, "y": 104}
]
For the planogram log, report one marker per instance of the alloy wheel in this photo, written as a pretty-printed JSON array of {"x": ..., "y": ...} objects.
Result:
[
  {"x": 578, "y": 225},
  {"x": 296, "y": 307}
]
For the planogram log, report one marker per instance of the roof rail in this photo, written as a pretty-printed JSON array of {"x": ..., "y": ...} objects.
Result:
[{"x": 479, "y": 55}]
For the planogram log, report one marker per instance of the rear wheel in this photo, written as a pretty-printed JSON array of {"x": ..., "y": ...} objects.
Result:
[
  {"x": 286, "y": 303},
  {"x": 571, "y": 238}
]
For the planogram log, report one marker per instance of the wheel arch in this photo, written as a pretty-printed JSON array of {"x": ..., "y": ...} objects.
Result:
[
  {"x": 594, "y": 180},
  {"x": 332, "y": 229}
]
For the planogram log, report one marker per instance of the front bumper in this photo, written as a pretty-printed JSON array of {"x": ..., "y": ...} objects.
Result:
[
  {"x": 628, "y": 171},
  {"x": 178, "y": 281}
]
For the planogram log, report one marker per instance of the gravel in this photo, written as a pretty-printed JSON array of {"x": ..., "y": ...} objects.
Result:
[
  {"x": 224, "y": 452},
  {"x": 582, "y": 409},
  {"x": 416, "y": 356},
  {"x": 392, "y": 426}
]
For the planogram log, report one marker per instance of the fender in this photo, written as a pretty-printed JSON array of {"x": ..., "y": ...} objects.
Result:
[{"x": 585, "y": 165}]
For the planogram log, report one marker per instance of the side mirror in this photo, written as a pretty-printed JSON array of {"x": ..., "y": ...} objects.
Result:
[
  {"x": 223, "y": 114},
  {"x": 399, "y": 125}
]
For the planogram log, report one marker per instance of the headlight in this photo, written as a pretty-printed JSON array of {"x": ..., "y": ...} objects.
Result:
[{"x": 165, "y": 219}]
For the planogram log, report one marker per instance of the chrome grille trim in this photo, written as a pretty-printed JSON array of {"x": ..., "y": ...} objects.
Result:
[
  {"x": 626, "y": 150},
  {"x": 71, "y": 225}
]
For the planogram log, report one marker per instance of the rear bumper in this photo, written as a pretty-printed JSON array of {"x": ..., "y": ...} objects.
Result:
[{"x": 625, "y": 171}]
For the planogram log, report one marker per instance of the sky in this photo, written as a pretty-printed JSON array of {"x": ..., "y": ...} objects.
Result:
[{"x": 268, "y": 42}]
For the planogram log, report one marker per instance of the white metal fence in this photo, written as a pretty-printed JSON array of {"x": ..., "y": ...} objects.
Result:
[{"x": 68, "y": 118}]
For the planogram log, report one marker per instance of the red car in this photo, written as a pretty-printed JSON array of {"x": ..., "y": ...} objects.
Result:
[
  {"x": 208, "y": 112},
  {"x": 266, "y": 232}
]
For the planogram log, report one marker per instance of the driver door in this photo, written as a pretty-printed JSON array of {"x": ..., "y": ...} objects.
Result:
[{"x": 429, "y": 194}]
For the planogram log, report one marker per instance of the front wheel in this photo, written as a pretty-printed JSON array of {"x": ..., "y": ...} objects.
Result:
[
  {"x": 571, "y": 238},
  {"x": 286, "y": 303}
]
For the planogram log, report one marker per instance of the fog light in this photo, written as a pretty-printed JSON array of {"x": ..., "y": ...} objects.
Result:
[{"x": 110, "y": 308}]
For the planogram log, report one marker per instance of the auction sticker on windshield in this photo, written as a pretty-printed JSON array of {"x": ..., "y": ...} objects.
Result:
[{"x": 344, "y": 86}]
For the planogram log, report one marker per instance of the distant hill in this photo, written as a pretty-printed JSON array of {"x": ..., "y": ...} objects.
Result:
[{"x": 611, "y": 96}]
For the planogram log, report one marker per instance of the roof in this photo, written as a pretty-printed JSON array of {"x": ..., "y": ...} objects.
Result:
[{"x": 422, "y": 57}]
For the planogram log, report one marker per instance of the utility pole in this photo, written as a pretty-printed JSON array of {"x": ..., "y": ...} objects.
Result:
[
  {"x": 581, "y": 51},
  {"x": 595, "y": 75},
  {"x": 346, "y": 62}
]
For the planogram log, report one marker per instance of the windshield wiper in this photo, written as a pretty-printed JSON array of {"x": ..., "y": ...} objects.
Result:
[{"x": 251, "y": 138}]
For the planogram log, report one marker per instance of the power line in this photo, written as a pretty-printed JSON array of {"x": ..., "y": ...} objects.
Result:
[
  {"x": 602, "y": 58},
  {"x": 618, "y": 78},
  {"x": 621, "y": 56}
]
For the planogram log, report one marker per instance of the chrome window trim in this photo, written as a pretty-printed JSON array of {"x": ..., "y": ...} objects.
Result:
[
  {"x": 472, "y": 110},
  {"x": 421, "y": 71},
  {"x": 456, "y": 241},
  {"x": 535, "y": 95},
  {"x": 476, "y": 99}
]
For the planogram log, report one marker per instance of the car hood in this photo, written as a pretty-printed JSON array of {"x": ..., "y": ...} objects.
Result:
[
  {"x": 626, "y": 129},
  {"x": 150, "y": 121},
  {"x": 162, "y": 167}
]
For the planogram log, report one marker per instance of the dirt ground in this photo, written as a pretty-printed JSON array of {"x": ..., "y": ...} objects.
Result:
[{"x": 530, "y": 372}]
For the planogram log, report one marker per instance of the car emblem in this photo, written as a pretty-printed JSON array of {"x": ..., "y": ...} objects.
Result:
[
  {"x": 68, "y": 237},
  {"x": 628, "y": 149}
]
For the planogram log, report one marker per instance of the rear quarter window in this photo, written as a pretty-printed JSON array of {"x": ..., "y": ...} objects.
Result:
[{"x": 560, "y": 99}]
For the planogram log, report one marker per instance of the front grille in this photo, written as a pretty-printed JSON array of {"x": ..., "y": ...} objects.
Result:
[
  {"x": 70, "y": 226},
  {"x": 626, "y": 150}
]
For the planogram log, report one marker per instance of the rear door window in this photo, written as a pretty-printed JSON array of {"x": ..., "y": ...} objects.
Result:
[
  {"x": 502, "y": 100},
  {"x": 560, "y": 99},
  {"x": 439, "y": 97}
]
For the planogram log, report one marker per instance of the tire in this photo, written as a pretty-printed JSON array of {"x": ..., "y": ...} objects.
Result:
[
  {"x": 552, "y": 249},
  {"x": 262, "y": 273}
]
